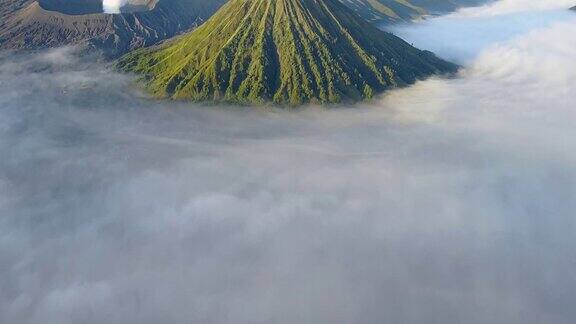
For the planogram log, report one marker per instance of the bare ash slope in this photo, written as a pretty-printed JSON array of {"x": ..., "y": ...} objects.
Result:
[{"x": 29, "y": 24}]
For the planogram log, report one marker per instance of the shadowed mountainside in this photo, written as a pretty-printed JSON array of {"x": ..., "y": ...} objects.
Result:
[{"x": 290, "y": 52}]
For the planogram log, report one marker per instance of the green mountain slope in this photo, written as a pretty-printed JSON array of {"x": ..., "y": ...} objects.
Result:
[
  {"x": 389, "y": 11},
  {"x": 290, "y": 52}
]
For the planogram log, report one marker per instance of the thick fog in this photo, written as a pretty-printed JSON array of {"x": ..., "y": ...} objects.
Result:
[{"x": 451, "y": 201}]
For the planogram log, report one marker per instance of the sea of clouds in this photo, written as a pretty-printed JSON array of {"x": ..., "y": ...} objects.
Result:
[{"x": 451, "y": 201}]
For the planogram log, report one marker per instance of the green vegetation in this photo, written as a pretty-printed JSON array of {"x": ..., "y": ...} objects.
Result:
[{"x": 290, "y": 52}]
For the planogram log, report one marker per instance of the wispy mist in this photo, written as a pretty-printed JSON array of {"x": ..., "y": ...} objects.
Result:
[{"x": 451, "y": 201}]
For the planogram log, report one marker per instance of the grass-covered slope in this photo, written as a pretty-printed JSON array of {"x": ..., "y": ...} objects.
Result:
[{"x": 290, "y": 52}]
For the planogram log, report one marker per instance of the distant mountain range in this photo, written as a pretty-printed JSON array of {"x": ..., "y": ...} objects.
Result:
[{"x": 290, "y": 52}]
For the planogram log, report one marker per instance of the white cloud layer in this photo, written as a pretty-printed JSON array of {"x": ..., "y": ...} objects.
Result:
[{"x": 451, "y": 201}]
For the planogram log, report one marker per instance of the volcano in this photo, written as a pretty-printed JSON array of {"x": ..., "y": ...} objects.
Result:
[
  {"x": 290, "y": 52},
  {"x": 36, "y": 24}
]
